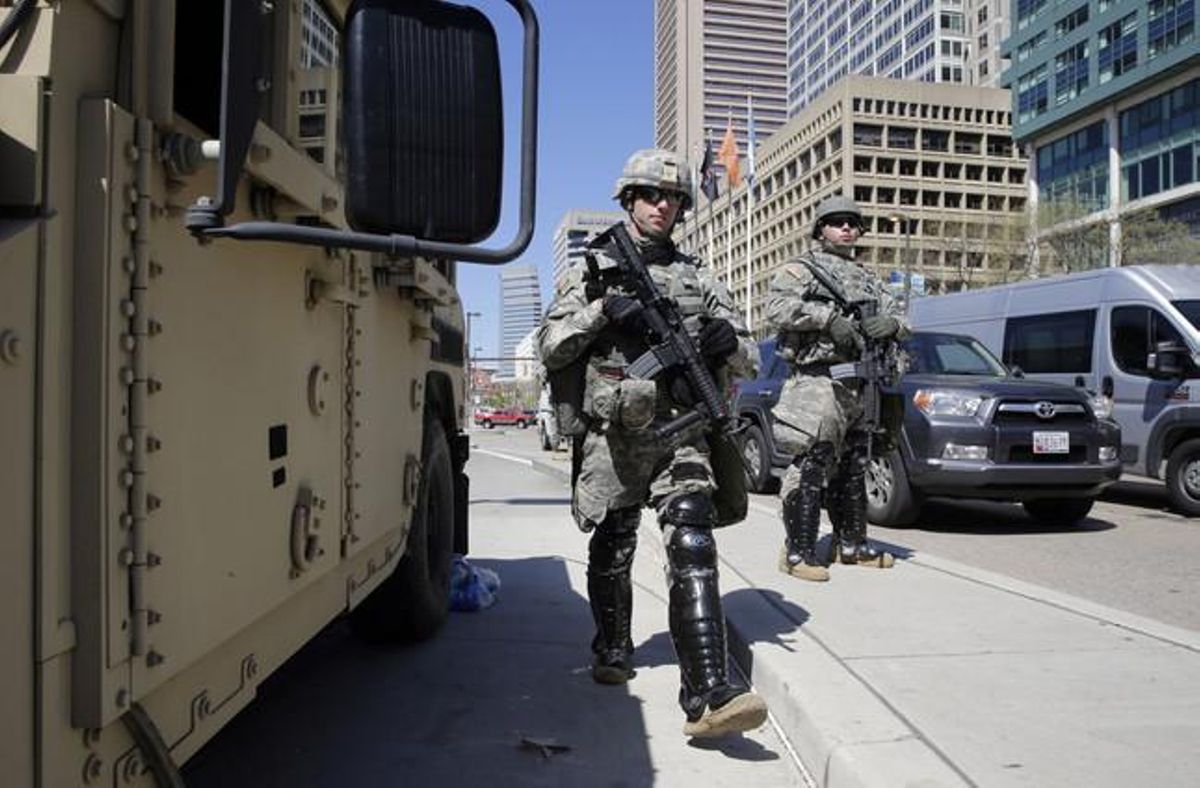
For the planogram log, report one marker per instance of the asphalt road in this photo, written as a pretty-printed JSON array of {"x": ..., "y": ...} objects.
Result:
[{"x": 1132, "y": 553}]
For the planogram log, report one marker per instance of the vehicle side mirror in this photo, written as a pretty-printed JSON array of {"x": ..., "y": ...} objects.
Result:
[
  {"x": 422, "y": 120},
  {"x": 1167, "y": 361},
  {"x": 1016, "y": 371}
]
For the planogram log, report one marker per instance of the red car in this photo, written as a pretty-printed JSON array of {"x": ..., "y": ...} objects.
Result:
[{"x": 490, "y": 417}]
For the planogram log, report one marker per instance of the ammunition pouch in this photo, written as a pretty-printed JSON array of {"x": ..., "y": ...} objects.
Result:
[{"x": 567, "y": 386}]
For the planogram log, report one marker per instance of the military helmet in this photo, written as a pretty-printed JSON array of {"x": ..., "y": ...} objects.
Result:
[
  {"x": 837, "y": 205},
  {"x": 659, "y": 168}
]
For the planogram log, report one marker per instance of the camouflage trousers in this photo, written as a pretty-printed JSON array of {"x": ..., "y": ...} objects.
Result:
[
  {"x": 621, "y": 469},
  {"x": 813, "y": 408}
]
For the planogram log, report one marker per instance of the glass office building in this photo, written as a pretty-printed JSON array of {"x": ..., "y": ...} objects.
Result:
[{"x": 1105, "y": 96}]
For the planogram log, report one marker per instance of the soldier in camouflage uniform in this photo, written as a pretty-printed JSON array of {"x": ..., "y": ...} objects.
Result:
[
  {"x": 621, "y": 466},
  {"x": 818, "y": 418}
]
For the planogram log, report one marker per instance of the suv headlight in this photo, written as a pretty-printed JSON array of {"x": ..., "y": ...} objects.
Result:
[
  {"x": 946, "y": 402},
  {"x": 1101, "y": 406}
]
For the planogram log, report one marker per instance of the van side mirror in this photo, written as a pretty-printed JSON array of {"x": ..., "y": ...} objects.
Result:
[
  {"x": 423, "y": 133},
  {"x": 1167, "y": 361}
]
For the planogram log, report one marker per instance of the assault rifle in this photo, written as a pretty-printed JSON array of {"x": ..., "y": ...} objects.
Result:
[
  {"x": 675, "y": 351},
  {"x": 871, "y": 368}
]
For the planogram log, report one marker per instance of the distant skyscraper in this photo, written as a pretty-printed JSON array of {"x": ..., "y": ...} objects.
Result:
[
  {"x": 921, "y": 40},
  {"x": 573, "y": 234},
  {"x": 988, "y": 23},
  {"x": 709, "y": 55},
  {"x": 520, "y": 311}
]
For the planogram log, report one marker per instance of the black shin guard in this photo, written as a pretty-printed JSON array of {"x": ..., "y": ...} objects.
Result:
[
  {"x": 610, "y": 591},
  {"x": 802, "y": 507},
  {"x": 848, "y": 503},
  {"x": 694, "y": 608}
]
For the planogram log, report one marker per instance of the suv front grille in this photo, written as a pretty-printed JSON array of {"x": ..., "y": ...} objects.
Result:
[{"x": 1032, "y": 413}]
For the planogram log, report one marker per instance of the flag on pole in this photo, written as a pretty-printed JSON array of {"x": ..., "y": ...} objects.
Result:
[
  {"x": 708, "y": 178},
  {"x": 728, "y": 156},
  {"x": 750, "y": 141}
]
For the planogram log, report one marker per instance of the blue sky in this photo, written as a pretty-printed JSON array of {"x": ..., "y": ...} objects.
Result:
[{"x": 596, "y": 97}]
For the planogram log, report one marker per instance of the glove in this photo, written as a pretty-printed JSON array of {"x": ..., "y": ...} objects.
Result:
[
  {"x": 844, "y": 335},
  {"x": 625, "y": 313},
  {"x": 718, "y": 341},
  {"x": 880, "y": 326}
]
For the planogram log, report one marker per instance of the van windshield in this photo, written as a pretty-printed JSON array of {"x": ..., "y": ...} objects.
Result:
[
  {"x": 1189, "y": 309},
  {"x": 950, "y": 354}
]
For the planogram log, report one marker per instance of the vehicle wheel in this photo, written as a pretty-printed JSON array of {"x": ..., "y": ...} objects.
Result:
[
  {"x": 758, "y": 460},
  {"x": 487, "y": 424},
  {"x": 545, "y": 436},
  {"x": 1183, "y": 477},
  {"x": 413, "y": 602},
  {"x": 1061, "y": 511},
  {"x": 890, "y": 498},
  {"x": 522, "y": 424}
]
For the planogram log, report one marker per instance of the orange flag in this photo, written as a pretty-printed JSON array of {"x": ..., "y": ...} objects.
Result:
[{"x": 728, "y": 156}]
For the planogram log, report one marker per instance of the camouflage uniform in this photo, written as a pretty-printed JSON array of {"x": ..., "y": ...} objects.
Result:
[
  {"x": 817, "y": 419},
  {"x": 622, "y": 467}
]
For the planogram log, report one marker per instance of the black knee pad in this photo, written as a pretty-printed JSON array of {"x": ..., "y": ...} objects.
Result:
[
  {"x": 690, "y": 547},
  {"x": 692, "y": 508}
]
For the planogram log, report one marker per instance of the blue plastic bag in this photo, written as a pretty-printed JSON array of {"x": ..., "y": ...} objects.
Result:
[{"x": 471, "y": 587}]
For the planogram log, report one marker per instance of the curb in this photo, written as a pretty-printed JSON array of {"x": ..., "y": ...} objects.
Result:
[{"x": 844, "y": 734}]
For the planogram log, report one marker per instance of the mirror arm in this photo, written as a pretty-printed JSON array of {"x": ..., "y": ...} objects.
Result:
[{"x": 204, "y": 219}]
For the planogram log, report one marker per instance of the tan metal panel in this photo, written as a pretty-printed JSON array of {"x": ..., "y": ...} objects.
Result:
[
  {"x": 18, "y": 349},
  {"x": 389, "y": 397},
  {"x": 231, "y": 355},
  {"x": 100, "y": 599}
]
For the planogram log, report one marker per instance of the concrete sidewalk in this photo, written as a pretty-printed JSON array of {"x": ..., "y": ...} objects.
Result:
[{"x": 934, "y": 673}]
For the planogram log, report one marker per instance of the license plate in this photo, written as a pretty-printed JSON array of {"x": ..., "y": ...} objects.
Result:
[{"x": 1051, "y": 443}]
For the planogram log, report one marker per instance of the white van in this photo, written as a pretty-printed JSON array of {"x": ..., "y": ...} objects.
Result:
[{"x": 1129, "y": 333}]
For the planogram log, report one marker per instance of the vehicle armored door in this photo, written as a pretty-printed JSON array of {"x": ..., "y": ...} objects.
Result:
[{"x": 1140, "y": 401}]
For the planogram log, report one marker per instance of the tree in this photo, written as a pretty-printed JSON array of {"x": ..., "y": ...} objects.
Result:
[
  {"x": 1075, "y": 238},
  {"x": 1146, "y": 237}
]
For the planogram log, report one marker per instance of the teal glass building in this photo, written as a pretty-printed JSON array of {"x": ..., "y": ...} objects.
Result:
[{"x": 1106, "y": 100}]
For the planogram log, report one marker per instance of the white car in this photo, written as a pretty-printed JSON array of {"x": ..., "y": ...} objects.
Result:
[{"x": 548, "y": 423}]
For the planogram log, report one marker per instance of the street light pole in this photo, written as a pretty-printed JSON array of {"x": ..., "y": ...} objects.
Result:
[
  {"x": 470, "y": 366},
  {"x": 898, "y": 217}
]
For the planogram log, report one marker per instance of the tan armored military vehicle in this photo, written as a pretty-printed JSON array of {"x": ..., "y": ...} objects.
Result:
[{"x": 231, "y": 351}]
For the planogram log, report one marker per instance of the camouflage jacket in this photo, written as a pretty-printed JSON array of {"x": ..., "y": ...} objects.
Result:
[
  {"x": 575, "y": 326},
  {"x": 799, "y": 308}
]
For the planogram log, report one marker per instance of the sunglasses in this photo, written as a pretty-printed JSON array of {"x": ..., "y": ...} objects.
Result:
[
  {"x": 843, "y": 221},
  {"x": 654, "y": 195}
]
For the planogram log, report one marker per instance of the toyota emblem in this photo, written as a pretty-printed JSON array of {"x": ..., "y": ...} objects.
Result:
[{"x": 1044, "y": 410}]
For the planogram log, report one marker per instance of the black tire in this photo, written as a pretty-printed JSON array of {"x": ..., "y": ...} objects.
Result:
[
  {"x": 758, "y": 459},
  {"x": 1183, "y": 477},
  {"x": 1058, "y": 511},
  {"x": 522, "y": 424},
  {"x": 412, "y": 604},
  {"x": 891, "y": 500},
  {"x": 487, "y": 424}
]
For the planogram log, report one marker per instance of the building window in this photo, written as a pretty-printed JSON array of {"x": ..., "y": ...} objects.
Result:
[
  {"x": 1071, "y": 21},
  {"x": 1074, "y": 168},
  {"x": 1026, "y": 49},
  {"x": 1117, "y": 48},
  {"x": 1070, "y": 73},
  {"x": 1169, "y": 24},
  {"x": 1027, "y": 10},
  {"x": 1033, "y": 94},
  {"x": 1160, "y": 142}
]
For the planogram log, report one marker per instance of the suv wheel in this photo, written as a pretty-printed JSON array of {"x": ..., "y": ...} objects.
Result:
[
  {"x": 890, "y": 499},
  {"x": 758, "y": 460},
  {"x": 1061, "y": 511}
]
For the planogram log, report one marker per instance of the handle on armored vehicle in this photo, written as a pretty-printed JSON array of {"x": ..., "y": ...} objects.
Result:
[{"x": 422, "y": 216}]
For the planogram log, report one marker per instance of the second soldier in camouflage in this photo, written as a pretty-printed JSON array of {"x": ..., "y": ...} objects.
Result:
[{"x": 819, "y": 418}]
